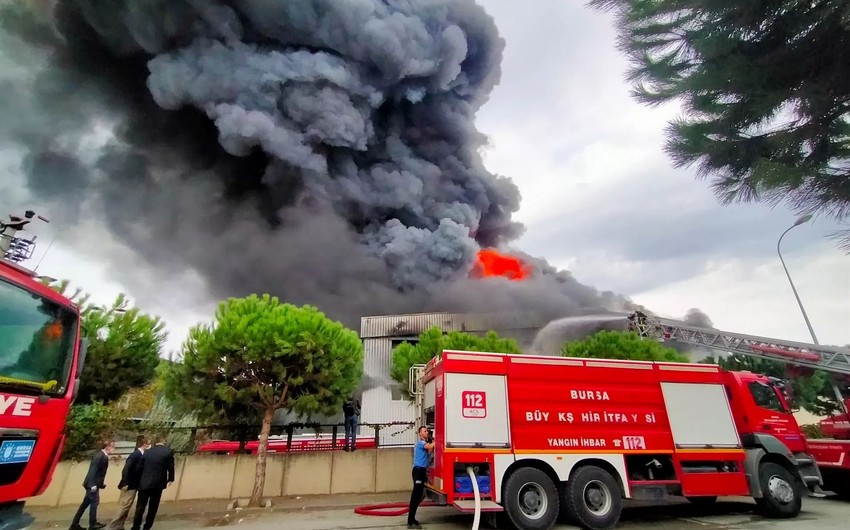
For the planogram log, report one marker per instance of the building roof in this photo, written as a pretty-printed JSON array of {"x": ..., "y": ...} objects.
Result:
[{"x": 415, "y": 323}]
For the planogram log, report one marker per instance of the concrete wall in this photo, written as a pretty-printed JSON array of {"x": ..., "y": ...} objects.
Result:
[{"x": 231, "y": 477}]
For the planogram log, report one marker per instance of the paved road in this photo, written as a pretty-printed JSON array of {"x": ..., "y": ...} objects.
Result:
[{"x": 820, "y": 514}]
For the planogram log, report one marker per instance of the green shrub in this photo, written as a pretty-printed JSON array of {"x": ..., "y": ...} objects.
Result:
[
  {"x": 87, "y": 426},
  {"x": 812, "y": 431},
  {"x": 608, "y": 344}
]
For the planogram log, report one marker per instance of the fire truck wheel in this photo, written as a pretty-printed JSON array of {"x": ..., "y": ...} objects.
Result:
[
  {"x": 593, "y": 499},
  {"x": 782, "y": 496},
  {"x": 531, "y": 499}
]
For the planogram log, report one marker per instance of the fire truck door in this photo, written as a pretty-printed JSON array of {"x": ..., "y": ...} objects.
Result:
[
  {"x": 476, "y": 411},
  {"x": 700, "y": 416}
]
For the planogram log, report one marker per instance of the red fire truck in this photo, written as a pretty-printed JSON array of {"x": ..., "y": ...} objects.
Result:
[
  {"x": 544, "y": 436},
  {"x": 41, "y": 358}
]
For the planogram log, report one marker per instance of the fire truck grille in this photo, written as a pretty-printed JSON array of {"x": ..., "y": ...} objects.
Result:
[{"x": 10, "y": 473}]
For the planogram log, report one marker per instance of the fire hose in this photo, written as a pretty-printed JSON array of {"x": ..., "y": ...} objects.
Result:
[
  {"x": 477, "y": 519},
  {"x": 392, "y": 509}
]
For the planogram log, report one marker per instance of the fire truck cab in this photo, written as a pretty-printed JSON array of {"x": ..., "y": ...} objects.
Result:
[
  {"x": 41, "y": 360},
  {"x": 543, "y": 437}
]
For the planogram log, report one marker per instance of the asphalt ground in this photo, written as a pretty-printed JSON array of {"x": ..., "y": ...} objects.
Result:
[{"x": 336, "y": 513}]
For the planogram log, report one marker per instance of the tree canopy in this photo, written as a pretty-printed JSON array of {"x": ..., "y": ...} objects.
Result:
[
  {"x": 433, "y": 341},
  {"x": 206, "y": 406},
  {"x": 765, "y": 90},
  {"x": 124, "y": 347},
  {"x": 813, "y": 392},
  {"x": 86, "y": 425},
  {"x": 262, "y": 353},
  {"x": 609, "y": 344}
]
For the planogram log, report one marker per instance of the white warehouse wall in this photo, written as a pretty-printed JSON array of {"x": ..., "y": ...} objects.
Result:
[{"x": 382, "y": 400}]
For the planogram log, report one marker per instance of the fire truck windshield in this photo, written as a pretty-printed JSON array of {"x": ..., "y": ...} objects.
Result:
[{"x": 37, "y": 339}]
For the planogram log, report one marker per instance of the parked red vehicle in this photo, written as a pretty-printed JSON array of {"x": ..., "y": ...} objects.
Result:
[
  {"x": 833, "y": 454},
  {"x": 550, "y": 436},
  {"x": 41, "y": 358},
  {"x": 300, "y": 443}
]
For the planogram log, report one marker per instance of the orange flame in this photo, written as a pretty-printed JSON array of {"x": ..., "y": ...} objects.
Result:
[
  {"x": 53, "y": 331},
  {"x": 492, "y": 263}
]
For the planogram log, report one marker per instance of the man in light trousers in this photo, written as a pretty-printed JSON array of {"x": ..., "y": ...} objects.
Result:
[{"x": 129, "y": 484}]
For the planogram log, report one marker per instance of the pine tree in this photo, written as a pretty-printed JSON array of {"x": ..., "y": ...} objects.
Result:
[
  {"x": 765, "y": 90},
  {"x": 433, "y": 341},
  {"x": 270, "y": 355},
  {"x": 624, "y": 345}
]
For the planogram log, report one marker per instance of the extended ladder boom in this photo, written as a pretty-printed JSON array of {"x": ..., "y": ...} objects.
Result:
[{"x": 827, "y": 358}]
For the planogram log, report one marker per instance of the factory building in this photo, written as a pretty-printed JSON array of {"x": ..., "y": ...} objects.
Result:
[{"x": 382, "y": 399}]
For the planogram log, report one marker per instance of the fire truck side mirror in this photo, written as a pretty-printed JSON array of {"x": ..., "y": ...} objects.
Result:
[{"x": 81, "y": 361}]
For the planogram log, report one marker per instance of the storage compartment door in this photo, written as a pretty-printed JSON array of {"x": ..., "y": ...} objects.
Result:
[
  {"x": 476, "y": 411},
  {"x": 699, "y": 416}
]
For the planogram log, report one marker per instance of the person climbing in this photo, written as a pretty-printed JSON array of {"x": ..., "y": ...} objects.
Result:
[{"x": 351, "y": 410}]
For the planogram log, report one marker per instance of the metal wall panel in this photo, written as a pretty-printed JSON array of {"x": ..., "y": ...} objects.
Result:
[
  {"x": 378, "y": 333},
  {"x": 377, "y": 404}
]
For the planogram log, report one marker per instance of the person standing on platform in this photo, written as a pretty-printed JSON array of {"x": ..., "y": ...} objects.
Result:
[{"x": 351, "y": 409}]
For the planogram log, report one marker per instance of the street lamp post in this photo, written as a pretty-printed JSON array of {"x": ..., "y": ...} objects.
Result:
[{"x": 798, "y": 222}]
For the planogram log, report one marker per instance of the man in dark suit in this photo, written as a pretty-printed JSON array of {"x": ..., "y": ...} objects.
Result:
[
  {"x": 94, "y": 482},
  {"x": 157, "y": 474},
  {"x": 129, "y": 484}
]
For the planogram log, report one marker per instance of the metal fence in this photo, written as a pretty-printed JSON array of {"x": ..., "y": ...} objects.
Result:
[{"x": 291, "y": 437}]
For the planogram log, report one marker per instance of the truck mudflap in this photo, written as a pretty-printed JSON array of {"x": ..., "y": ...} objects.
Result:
[{"x": 13, "y": 517}]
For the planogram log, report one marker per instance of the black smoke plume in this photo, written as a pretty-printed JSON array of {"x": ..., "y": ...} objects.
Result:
[{"x": 321, "y": 150}]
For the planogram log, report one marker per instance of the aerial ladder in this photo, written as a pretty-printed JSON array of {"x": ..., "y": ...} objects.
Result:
[
  {"x": 14, "y": 248},
  {"x": 831, "y": 359}
]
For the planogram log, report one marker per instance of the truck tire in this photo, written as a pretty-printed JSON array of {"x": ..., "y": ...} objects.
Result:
[
  {"x": 531, "y": 499},
  {"x": 781, "y": 492},
  {"x": 593, "y": 499}
]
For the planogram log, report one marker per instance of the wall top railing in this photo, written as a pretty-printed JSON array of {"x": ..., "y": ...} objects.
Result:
[{"x": 290, "y": 437}]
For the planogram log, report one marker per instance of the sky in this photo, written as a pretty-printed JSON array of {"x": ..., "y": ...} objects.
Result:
[{"x": 599, "y": 197}]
